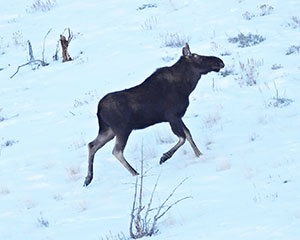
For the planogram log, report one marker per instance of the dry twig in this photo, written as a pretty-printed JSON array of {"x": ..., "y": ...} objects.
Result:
[
  {"x": 31, "y": 56},
  {"x": 140, "y": 224}
]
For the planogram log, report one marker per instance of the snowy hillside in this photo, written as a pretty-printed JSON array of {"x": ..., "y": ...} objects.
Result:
[{"x": 245, "y": 119}]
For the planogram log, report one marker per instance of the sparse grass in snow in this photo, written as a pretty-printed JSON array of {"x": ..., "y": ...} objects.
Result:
[
  {"x": 276, "y": 66},
  {"x": 263, "y": 10},
  {"x": 111, "y": 236},
  {"x": 294, "y": 23},
  {"x": 41, "y": 6},
  {"x": 293, "y": 50},
  {"x": 74, "y": 173},
  {"x": 247, "y": 40},
  {"x": 211, "y": 119},
  {"x": 42, "y": 222},
  {"x": 4, "y": 190},
  {"x": 18, "y": 39},
  {"x": 149, "y": 23},
  {"x": 219, "y": 49},
  {"x": 249, "y": 72},
  {"x": 174, "y": 40},
  {"x": 146, "y": 6},
  {"x": 164, "y": 139}
]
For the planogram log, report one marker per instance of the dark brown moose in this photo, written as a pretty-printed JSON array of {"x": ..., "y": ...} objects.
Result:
[{"x": 162, "y": 97}]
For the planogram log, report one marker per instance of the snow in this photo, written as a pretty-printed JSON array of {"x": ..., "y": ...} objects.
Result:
[{"x": 246, "y": 184}]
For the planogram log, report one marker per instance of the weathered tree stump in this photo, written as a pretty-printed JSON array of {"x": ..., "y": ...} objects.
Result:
[{"x": 65, "y": 44}]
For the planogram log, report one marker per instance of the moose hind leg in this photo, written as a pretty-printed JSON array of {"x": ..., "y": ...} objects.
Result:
[
  {"x": 120, "y": 144},
  {"x": 177, "y": 128},
  {"x": 102, "y": 138},
  {"x": 191, "y": 141}
]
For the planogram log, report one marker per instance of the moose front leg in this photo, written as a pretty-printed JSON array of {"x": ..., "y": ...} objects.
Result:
[{"x": 177, "y": 128}]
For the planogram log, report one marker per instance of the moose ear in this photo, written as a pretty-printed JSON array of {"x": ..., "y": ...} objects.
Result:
[{"x": 186, "y": 50}]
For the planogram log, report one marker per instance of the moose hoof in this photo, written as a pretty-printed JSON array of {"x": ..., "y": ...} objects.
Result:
[
  {"x": 164, "y": 158},
  {"x": 198, "y": 153},
  {"x": 87, "y": 181}
]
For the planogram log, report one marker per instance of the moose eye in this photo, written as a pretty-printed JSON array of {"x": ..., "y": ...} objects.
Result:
[{"x": 195, "y": 55}]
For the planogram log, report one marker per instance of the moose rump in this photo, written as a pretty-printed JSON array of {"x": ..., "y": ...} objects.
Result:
[{"x": 162, "y": 97}]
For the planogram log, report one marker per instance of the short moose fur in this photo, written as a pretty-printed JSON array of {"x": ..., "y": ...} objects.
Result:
[{"x": 162, "y": 97}]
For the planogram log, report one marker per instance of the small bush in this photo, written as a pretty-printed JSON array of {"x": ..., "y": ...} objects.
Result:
[
  {"x": 111, "y": 236},
  {"x": 42, "y": 222},
  {"x": 41, "y": 6},
  {"x": 4, "y": 190},
  {"x": 145, "y": 6},
  {"x": 247, "y": 40},
  {"x": 279, "y": 102},
  {"x": 149, "y": 24},
  {"x": 276, "y": 66},
  {"x": 295, "y": 22},
  {"x": 248, "y": 16},
  {"x": 293, "y": 50},
  {"x": 174, "y": 40},
  {"x": 249, "y": 72},
  {"x": 263, "y": 10}
]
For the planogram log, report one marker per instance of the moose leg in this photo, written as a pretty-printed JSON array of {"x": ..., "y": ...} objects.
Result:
[
  {"x": 120, "y": 144},
  {"x": 177, "y": 128},
  {"x": 102, "y": 138},
  {"x": 191, "y": 141}
]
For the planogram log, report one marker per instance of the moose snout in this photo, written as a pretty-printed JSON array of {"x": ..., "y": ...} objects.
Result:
[{"x": 222, "y": 65}]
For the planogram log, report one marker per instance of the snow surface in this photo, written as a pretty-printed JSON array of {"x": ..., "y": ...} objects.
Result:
[{"x": 245, "y": 186}]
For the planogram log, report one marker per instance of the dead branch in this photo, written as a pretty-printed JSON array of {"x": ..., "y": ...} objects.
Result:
[
  {"x": 30, "y": 51},
  {"x": 43, "y": 53},
  {"x": 55, "y": 56},
  {"x": 139, "y": 219},
  {"x": 65, "y": 44},
  {"x": 31, "y": 56},
  {"x": 30, "y": 62}
]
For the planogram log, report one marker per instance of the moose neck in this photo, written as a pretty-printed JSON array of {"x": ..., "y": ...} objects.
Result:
[{"x": 189, "y": 75}]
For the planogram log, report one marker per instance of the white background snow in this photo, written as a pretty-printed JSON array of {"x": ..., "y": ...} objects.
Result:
[{"x": 246, "y": 185}]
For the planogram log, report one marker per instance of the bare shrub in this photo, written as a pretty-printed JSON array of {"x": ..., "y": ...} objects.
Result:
[
  {"x": 18, "y": 39},
  {"x": 146, "y": 6},
  {"x": 276, "y": 66},
  {"x": 144, "y": 218},
  {"x": 211, "y": 119},
  {"x": 249, "y": 72},
  {"x": 8, "y": 143},
  {"x": 278, "y": 101},
  {"x": 58, "y": 197},
  {"x": 42, "y": 222},
  {"x": 149, "y": 24},
  {"x": 265, "y": 9},
  {"x": 74, "y": 173},
  {"x": 4, "y": 190},
  {"x": 219, "y": 49},
  {"x": 111, "y": 236},
  {"x": 41, "y": 6},
  {"x": 165, "y": 139},
  {"x": 295, "y": 22},
  {"x": 293, "y": 50},
  {"x": 247, "y": 40},
  {"x": 248, "y": 16},
  {"x": 174, "y": 40}
]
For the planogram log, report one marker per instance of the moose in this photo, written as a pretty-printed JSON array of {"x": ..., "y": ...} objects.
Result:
[{"x": 162, "y": 97}]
